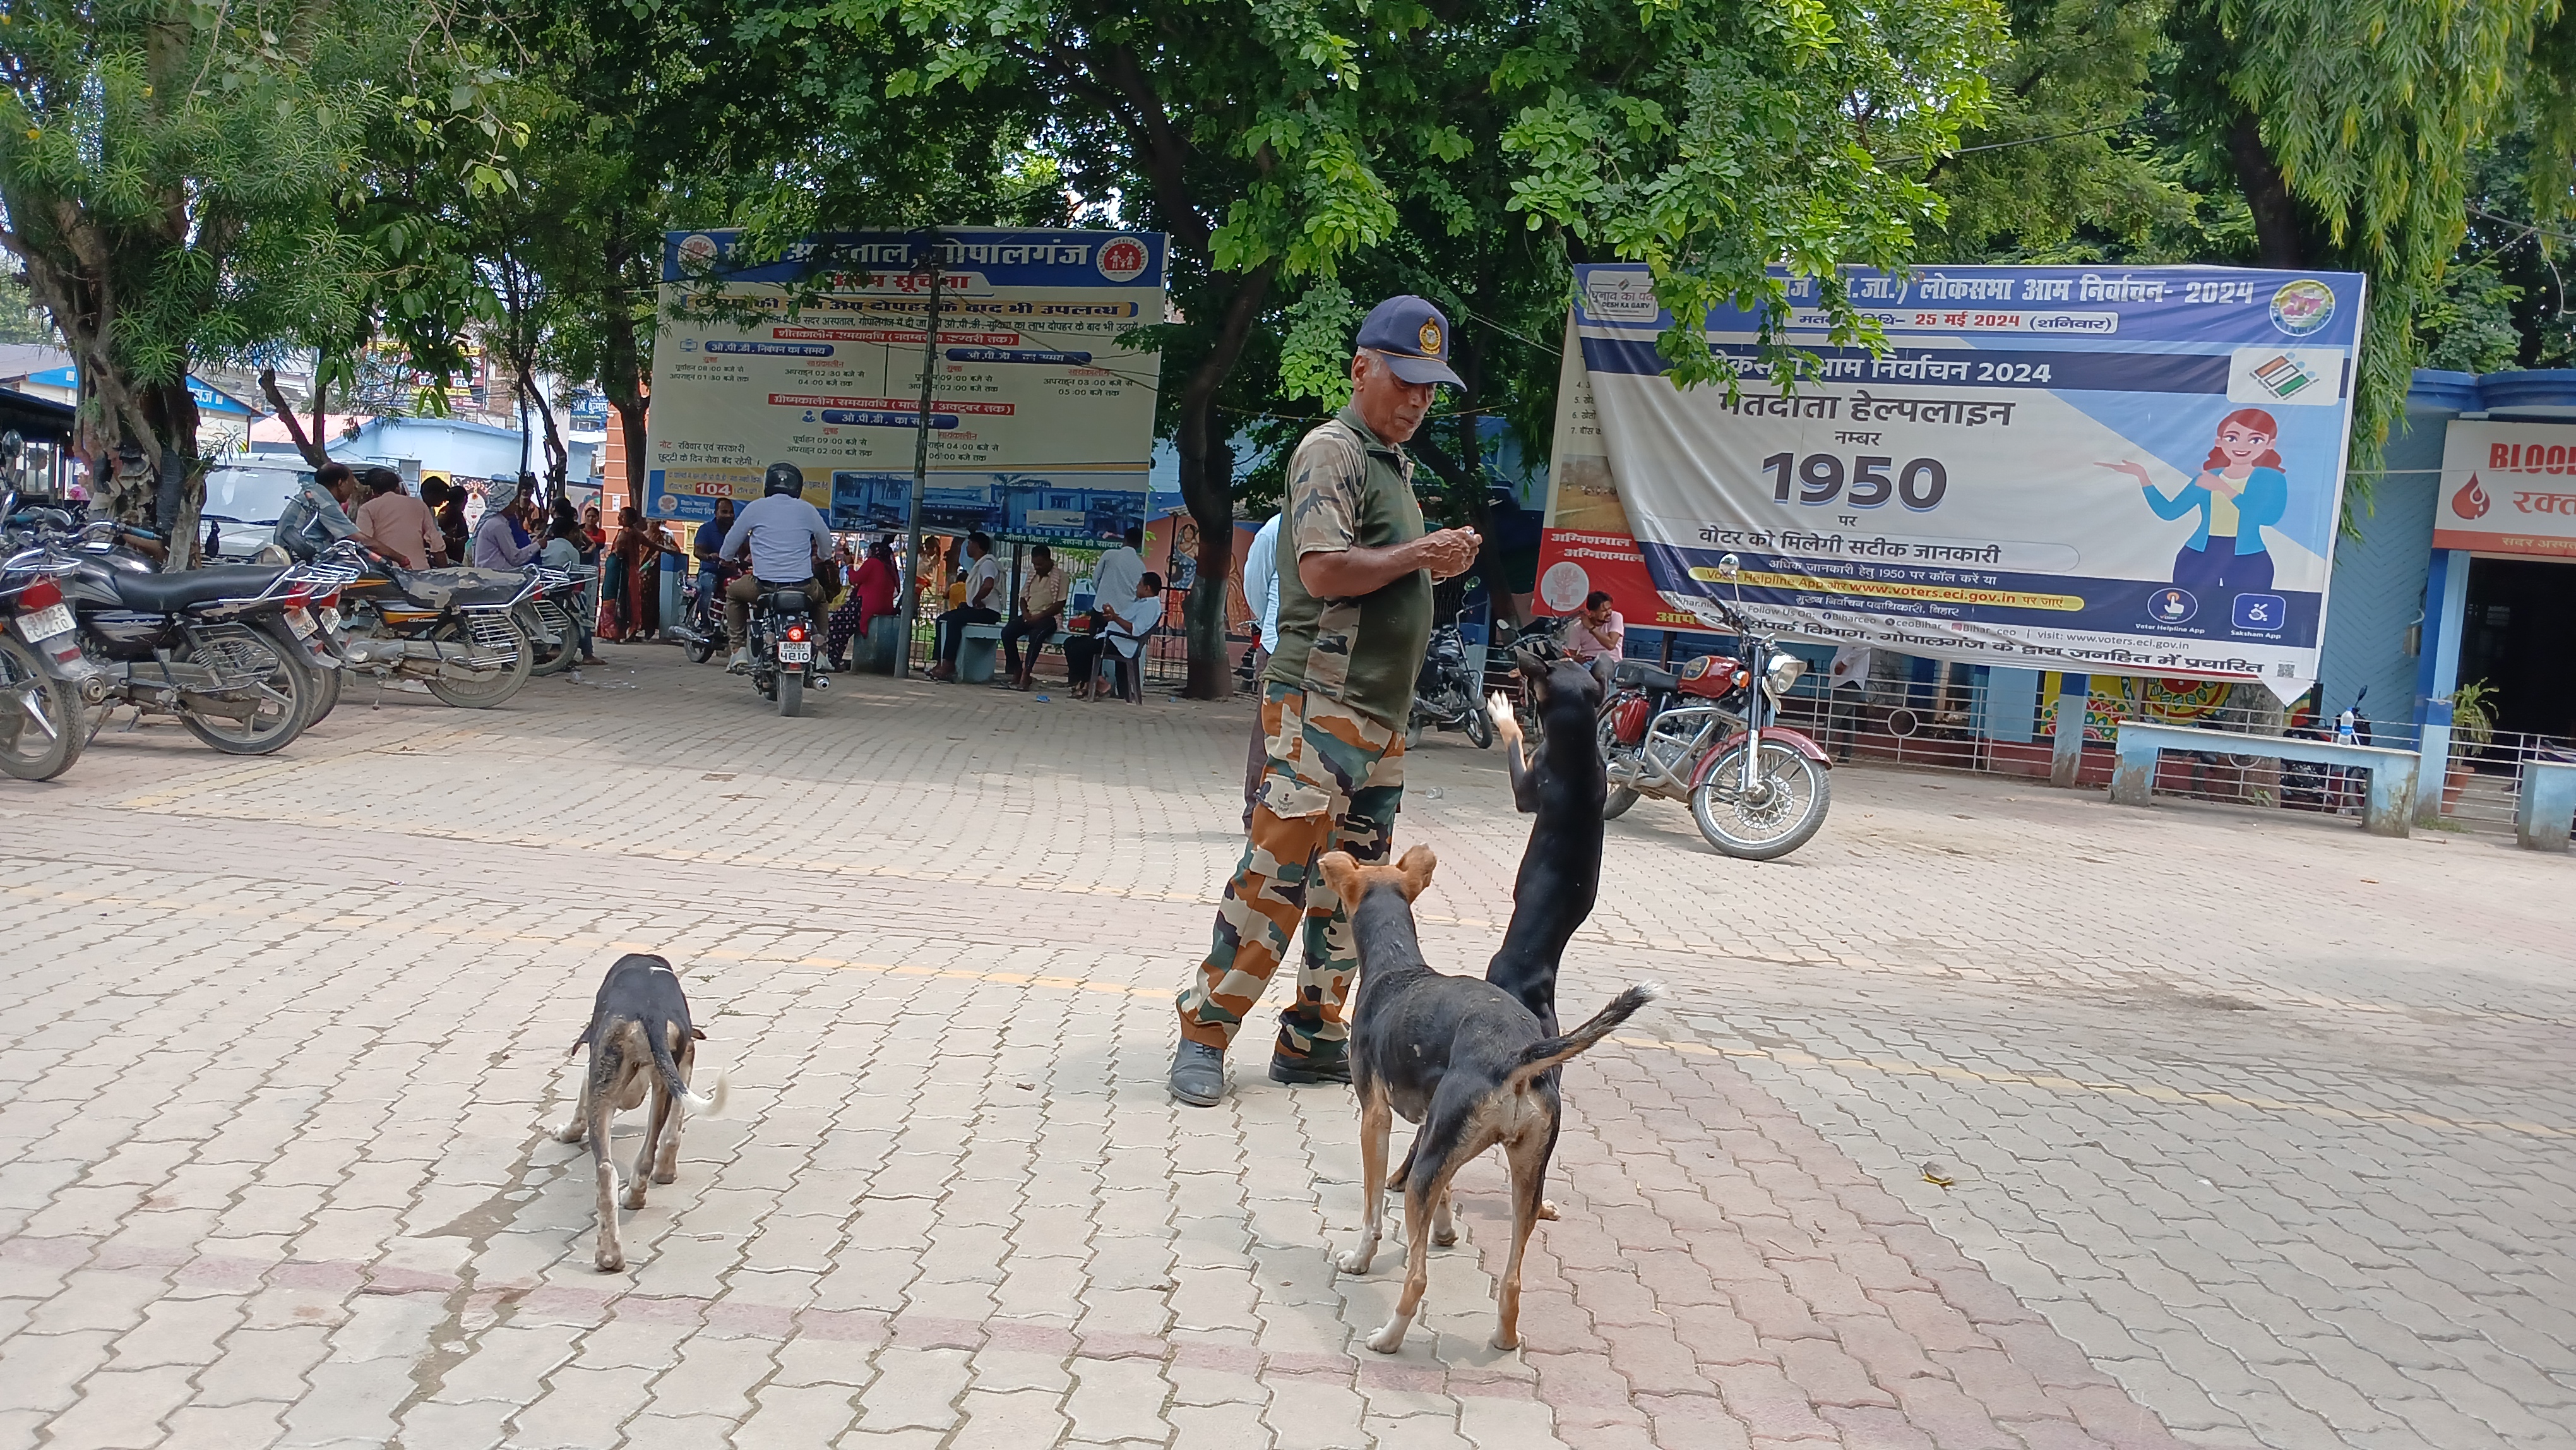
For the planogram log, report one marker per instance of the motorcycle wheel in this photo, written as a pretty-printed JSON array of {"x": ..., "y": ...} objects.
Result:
[
  {"x": 567, "y": 647},
  {"x": 49, "y": 730},
  {"x": 497, "y": 632},
  {"x": 326, "y": 695},
  {"x": 284, "y": 697},
  {"x": 1480, "y": 727},
  {"x": 699, "y": 652},
  {"x": 1797, "y": 795},
  {"x": 1621, "y": 797},
  {"x": 791, "y": 693}
]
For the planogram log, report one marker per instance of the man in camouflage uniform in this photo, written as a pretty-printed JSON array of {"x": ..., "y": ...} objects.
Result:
[{"x": 1355, "y": 575}]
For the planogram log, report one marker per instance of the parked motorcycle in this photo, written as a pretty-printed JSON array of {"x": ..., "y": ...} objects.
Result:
[
  {"x": 548, "y": 619},
  {"x": 222, "y": 649},
  {"x": 1757, "y": 790},
  {"x": 702, "y": 632},
  {"x": 455, "y": 631},
  {"x": 784, "y": 631},
  {"x": 1448, "y": 694},
  {"x": 44, "y": 677}
]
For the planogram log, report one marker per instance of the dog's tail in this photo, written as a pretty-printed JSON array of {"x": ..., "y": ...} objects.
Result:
[
  {"x": 1547, "y": 1052},
  {"x": 710, "y": 1106}
]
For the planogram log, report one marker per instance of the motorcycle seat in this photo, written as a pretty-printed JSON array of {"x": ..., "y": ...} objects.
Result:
[
  {"x": 1637, "y": 674},
  {"x": 789, "y": 600},
  {"x": 170, "y": 593},
  {"x": 439, "y": 588}
]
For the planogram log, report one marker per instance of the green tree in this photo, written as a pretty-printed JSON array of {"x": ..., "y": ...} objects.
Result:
[
  {"x": 174, "y": 176},
  {"x": 20, "y": 321},
  {"x": 1275, "y": 143}
]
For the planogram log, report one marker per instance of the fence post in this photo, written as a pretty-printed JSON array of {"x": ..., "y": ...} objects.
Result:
[{"x": 2066, "y": 748}]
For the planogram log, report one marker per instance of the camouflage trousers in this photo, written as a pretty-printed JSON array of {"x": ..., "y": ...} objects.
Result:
[{"x": 1333, "y": 782}]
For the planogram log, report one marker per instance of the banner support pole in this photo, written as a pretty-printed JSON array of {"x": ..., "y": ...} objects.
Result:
[
  {"x": 2066, "y": 746},
  {"x": 920, "y": 464}
]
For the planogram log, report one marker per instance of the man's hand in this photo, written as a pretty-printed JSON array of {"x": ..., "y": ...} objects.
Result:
[
  {"x": 1349, "y": 573},
  {"x": 1450, "y": 552}
]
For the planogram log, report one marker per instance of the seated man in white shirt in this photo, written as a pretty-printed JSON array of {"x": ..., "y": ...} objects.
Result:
[
  {"x": 983, "y": 604},
  {"x": 1119, "y": 630}
]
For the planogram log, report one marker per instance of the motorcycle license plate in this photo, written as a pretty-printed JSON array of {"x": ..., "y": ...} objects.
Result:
[
  {"x": 45, "y": 623},
  {"x": 795, "y": 652},
  {"x": 330, "y": 619},
  {"x": 302, "y": 623}
]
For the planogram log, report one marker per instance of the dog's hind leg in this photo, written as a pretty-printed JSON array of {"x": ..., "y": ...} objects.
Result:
[
  {"x": 1444, "y": 1227},
  {"x": 1417, "y": 1271},
  {"x": 577, "y": 1126},
  {"x": 1377, "y": 1121},
  {"x": 1528, "y": 1157},
  {"x": 660, "y": 1112},
  {"x": 666, "y": 1138},
  {"x": 597, "y": 1113}
]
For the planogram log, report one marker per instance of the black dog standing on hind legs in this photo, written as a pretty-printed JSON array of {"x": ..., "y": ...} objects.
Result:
[
  {"x": 1560, "y": 876},
  {"x": 1564, "y": 788}
]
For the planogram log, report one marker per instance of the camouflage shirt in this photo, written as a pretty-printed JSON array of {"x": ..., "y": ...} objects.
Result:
[{"x": 1347, "y": 489}]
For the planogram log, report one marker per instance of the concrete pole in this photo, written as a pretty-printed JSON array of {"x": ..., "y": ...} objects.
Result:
[
  {"x": 2066, "y": 746},
  {"x": 2446, "y": 600}
]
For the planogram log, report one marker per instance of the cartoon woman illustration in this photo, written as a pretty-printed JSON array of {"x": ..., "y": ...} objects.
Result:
[{"x": 2241, "y": 488}]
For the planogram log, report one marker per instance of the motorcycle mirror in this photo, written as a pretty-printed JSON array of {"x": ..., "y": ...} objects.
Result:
[{"x": 1729, "y": 567}]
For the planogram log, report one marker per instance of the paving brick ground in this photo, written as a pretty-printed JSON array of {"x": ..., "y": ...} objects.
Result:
[{"x": 2258, "y": 1131}]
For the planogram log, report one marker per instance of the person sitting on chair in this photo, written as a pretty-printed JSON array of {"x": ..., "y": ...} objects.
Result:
[
  {"x": 1119, "y": 632},
  {"x": 982, "y": 606},
  {"x": 1042, "y": 598}
]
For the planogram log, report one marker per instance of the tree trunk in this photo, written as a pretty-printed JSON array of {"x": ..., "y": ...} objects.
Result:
[
  {"x": 2267, "y": 196},
  {"x": 1207, "y": 487},
  {"x": 310, "y": 447},
  {"x": 621, "y": 361}
]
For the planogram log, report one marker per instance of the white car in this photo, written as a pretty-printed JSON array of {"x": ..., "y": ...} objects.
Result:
[{"x": 243, "y": 501}]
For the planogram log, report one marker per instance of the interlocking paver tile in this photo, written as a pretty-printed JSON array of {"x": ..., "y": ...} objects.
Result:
[{"x": 2220, "y": 1178}]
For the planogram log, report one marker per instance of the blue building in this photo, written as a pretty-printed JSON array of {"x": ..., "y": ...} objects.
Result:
[{"x": 2411, "y": 621}]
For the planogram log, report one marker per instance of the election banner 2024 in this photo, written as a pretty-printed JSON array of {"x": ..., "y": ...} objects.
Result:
[
  {"x": 1042, "y": 423},
  {"x": 2125, "y": 472}
]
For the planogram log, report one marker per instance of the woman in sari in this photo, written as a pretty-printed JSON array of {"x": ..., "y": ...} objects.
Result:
[{"x": 872, "y": 589}]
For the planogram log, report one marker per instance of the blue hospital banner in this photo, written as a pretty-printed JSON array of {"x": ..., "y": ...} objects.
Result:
[
  {"x": 2121, "y": 471},
  {"x": 1041, "y": 418}
]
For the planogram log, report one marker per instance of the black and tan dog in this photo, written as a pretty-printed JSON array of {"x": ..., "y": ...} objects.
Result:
[
  {"x": 640, "y": 1040},
  {"x": 1459, "y": 1056}
]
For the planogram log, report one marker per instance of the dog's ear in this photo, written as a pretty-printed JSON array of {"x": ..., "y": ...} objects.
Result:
[
  {"x": 1342, "y": 875},
  {"x": 1415, "y": 867}
]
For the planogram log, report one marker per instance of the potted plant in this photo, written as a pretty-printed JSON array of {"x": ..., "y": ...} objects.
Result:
[{"x": 2472, "y": 730}]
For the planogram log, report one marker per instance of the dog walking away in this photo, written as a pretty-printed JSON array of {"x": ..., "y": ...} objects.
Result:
[
  {"x": 640, "y": 1040},
  {"x": 1459, "y": 1056}
]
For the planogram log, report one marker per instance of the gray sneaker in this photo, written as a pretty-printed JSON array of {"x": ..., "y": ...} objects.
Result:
[{"x": 1198, "y": 1074}]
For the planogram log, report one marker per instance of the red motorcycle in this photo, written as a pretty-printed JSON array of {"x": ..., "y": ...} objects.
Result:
[{"x": 1707, "y": 735}]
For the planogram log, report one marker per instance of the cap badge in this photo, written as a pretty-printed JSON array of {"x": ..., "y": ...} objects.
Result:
[{"x": 1430, "y": 339}]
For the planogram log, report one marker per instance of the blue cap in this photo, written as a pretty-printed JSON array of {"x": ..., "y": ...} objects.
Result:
[{"x": 1413, "y": 337}]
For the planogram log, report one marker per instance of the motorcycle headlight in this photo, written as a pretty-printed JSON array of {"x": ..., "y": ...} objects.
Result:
[{"x": 1783, "y": 672}]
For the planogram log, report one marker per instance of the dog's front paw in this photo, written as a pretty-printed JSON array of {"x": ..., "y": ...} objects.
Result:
[
  {"x": 1444, "y": 1235},
  {"x": 1357, "y": 1261},
  {"x": 610, "y": 1260},
  {"x": 1547, "y": 1209},
  {"x": 1390, "y": 1339},
  {"x": 1505, "y": 1339},
  {"x": 633, "y": 1198},
  {"x": 570, "y": 1132}
]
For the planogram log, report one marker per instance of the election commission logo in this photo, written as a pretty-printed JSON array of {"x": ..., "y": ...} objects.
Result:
[
  {"x": 2172, "y": 606},
  {"x": 2302, "y": 307}
]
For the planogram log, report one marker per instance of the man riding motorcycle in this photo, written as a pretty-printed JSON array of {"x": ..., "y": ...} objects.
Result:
[{"x": 786, "y": 538}]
